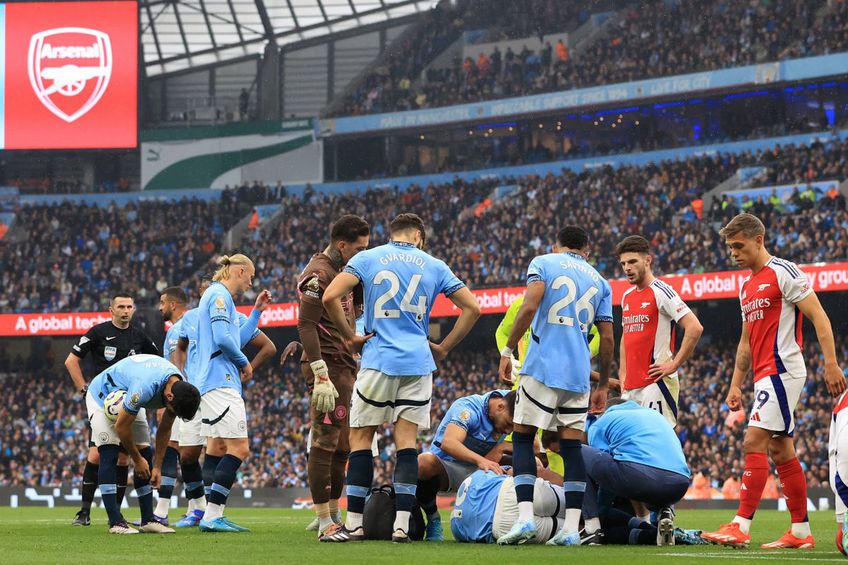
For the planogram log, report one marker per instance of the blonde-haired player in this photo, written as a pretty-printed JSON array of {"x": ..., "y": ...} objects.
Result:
[
  {"x": 773, "y": 299},
  {"x": 222, "y": 370}
]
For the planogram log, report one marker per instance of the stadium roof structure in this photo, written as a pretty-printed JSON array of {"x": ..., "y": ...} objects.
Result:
[{"x": 179, "y": 34}]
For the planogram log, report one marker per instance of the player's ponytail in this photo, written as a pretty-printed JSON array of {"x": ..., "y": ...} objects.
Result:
[{"x": 225, "y": 262}]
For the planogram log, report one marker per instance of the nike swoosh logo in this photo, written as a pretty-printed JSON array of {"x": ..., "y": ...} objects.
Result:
[{"x": 110, "y": 338}]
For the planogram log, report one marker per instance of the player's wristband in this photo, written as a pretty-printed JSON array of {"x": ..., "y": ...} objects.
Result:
[
  {"x": 506, "y": 352},
  {"x": 83, "y": 390}
]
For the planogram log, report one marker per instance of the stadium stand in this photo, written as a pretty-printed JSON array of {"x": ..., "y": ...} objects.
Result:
[
  {"x": 488, "y": 241},
  {"x": 73, "y": 255},
  {"x": 492, "y": 245},
  {"x": 647, "y": 41}
]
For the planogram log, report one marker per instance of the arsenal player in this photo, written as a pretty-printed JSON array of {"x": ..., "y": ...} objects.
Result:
[
  {"x": 774, "y": 298},
  {"x": 650, "y": 310},
  {"x": 329, "y": 367}
]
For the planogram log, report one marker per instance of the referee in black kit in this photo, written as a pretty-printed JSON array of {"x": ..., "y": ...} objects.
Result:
[{"x": 107, "y": 343}]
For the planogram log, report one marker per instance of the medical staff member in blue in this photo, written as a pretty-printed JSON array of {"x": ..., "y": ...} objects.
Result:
[
  {"x": 222, "y": 369},
  {"x": 565, "y": 297},
  {"x": 395, "y": 380},
  {"x": 632, "y": 455},
  {"x": 150, "y": 382},
  {"x": 465, "y": 441}
]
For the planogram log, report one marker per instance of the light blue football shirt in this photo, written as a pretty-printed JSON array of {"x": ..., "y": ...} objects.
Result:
[
  {"x": 401, "y": 284},
  {"x": 474, "y": 509},
  {"x": 218, "y": 363},
  {"x": 471, "y": 413},
  {"x": 143, "y": 377},
  {"x": 576, "y": 297}
]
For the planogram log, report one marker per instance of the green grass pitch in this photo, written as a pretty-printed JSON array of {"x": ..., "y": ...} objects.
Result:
[{"x": 41, "y": 535}]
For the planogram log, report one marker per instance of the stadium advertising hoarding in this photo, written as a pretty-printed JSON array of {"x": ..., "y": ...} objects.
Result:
[
  {"x": 818, "y": 498},
  {"x": 790, "y": 70},
  {"x": 692, "y": 288},
  {"x": 69, "y": 75}
]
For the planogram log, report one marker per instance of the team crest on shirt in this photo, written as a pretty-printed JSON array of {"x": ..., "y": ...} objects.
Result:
[
  {"x": 763, "y": 286},
  {"x": 645, "y": 305},
  {"x": 340, "y": 412},
  {"x": 109, "y": 352},
  {"x": 134, "y": 399},
  {"x": 312, "y": 287},
  {"x": 465, "y": 415}
]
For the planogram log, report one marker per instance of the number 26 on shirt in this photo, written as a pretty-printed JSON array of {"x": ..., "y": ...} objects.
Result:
[{"x": 557, "y": 311}]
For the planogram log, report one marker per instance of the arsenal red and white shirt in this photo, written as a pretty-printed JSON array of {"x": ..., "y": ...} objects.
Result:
[
  {"x": 768, "y": 300},
  {"x": 649, "y": 318}
]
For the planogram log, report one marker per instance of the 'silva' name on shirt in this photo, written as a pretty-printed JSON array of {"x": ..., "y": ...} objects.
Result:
[{"x": 403, "y": 257}]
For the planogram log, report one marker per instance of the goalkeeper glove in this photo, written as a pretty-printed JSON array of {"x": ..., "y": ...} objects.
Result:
[{"x": 324, "y": 394}]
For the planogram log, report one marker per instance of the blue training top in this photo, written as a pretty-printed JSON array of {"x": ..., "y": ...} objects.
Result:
[{"x": 630, "y": 432}]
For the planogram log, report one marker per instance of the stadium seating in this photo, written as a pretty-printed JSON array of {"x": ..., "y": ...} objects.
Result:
[
  {"x": 494, "y": 247},
  {"x": 487, "y": 246},
  {"x": 73, "y": 255},
  {"x": 648, "y": 41}
]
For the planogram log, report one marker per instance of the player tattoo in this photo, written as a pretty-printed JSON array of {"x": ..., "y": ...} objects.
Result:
[
  {"x": 336, "y": 257},
  {"x": 743, "y": 361}
]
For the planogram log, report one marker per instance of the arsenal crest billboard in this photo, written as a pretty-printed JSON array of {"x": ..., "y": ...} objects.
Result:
[{"x": 71, "y": 75}]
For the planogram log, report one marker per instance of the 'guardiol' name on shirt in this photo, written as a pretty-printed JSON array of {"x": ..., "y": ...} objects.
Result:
[{"x": 404, "y": 258}]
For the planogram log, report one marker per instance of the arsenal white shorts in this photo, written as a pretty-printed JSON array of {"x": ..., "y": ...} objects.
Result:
[
  {"x": 775, "y": 399},
  {"x": 548, "y": 408},
  {"x": 103, "y": 430},
  {"x": 223, "y": 413},
  {"x": 379, "y": 398},
  {"x": 661, "y": 396}
]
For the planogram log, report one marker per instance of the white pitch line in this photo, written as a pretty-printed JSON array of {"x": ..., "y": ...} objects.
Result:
[{"x": 747, "y": 555}]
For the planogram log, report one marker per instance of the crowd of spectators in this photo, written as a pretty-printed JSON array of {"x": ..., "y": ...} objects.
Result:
[
  {"x": 648, "y": 40},
  {"x": 50, "y": 185},
  {"x": 490, "y": 244},
  {"x": 73, "y": 255},
  {"x": 43, "y": 439},
  {"x": 390, "y": 83}
]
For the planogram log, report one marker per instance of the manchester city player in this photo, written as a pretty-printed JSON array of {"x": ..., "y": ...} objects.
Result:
[
  {"x": 222, "y": 369},
  {"x": 464, "y": 442},
  {"x": 172, "y": 306},
  {"x": 565, "y": 296},
  {"x": 395, "y": 380},
  {"x": 199, "y": 481},
  {"x": 486, "y": 507},
  {"x": 150, "y": 382}
]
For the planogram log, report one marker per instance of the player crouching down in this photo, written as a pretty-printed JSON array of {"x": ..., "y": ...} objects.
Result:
[
  {"x": 486, "y": 508},
  {"x": 467, "y": 439},
  {"x": 150, "y": 382}
]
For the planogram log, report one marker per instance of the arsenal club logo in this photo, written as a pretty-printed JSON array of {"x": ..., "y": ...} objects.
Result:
[{"x": 69, "y": 69}]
